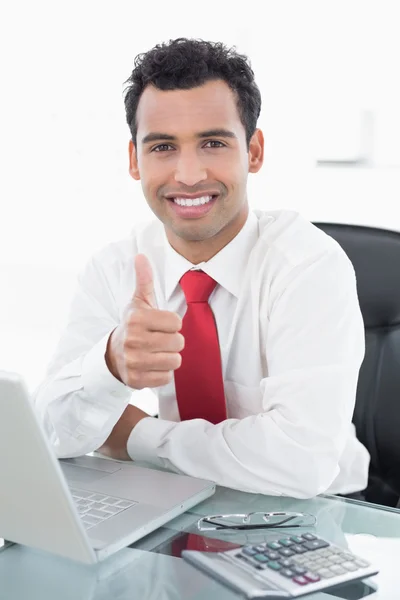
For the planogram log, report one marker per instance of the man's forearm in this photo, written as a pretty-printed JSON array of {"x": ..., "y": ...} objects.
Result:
[{"x": 116, "y": 443}]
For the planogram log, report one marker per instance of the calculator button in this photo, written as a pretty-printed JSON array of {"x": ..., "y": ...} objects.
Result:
[
  {"x": 287, "y": 573},
  {"x": 361, "y": 563},
  {"x": 275, "y": 566},
  {"x": 272, "y": 555},
  {"x": 274, "y": 545},
  {"x": 309, "y": 536},
  {"x": 324, "y": 563},
  {"x": 320, "y": 553},
  {"x": 315, "y": 544},
  {"x": 312, "y": 577},
  {"x": 299, "y": 560},
  {"x": 349, "y": 566},
  {"x": 259, "y": 548},
  {"x": 300, "y": 580},
  {"x": 325, "y": 552},
  {"x": 296, "y": 539},
  {"x": 325, "y": 573},
  {"x": 286, "y": 552},
  {"x": 335, "y": 559},
  {"x": 249, "y": 551},
  {"x": 298, "y": 549},
  {"x": 299, "y": 570},
  {"x": 310, "y": 557},
  {"x": 338, "y": 570},
  {"x": 287, "y": 563},
  {"x": 286, "y": 543},
  {"x": 261, "y": 558},
  {"x": 346, "y": 556}
]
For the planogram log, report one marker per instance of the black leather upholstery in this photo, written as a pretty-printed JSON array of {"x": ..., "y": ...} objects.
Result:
[{"x": 375, "y": 254}]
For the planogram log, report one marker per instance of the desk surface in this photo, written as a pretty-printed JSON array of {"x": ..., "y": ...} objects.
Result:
[{"x": 152, "y": 569}]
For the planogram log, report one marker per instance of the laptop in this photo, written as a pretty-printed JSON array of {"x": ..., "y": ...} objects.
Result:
[{"x": 85, "y": 508}]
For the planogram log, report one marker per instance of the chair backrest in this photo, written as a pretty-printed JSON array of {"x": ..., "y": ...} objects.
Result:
[{"x": 375, "y": 254}]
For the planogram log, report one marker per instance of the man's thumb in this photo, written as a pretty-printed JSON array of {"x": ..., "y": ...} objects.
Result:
[{"x": 143, "y": 296}]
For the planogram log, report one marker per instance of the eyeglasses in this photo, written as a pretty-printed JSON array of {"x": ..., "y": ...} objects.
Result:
[{"x": 256, "y": 520}]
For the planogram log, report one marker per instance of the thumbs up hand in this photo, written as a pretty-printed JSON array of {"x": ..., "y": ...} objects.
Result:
[{"x": 143, "y": 351}]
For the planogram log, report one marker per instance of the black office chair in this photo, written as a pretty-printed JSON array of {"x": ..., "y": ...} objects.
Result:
[{"x": 375, "y": 254}]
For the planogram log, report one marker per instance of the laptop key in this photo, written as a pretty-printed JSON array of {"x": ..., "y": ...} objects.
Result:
[
  {"x": 81, "y": 493},
  {"x": 98, "y": 506},
  {"x": 97, "y": 513},
  {"x": 110, "y": 500},
  {"x": 98, "y": 497},
  {"x": 84, "y": 503},
  {"x": 88, "y": 520},
  {"x": 113, "y": 510},
  {"x": 82, "y": 510}
]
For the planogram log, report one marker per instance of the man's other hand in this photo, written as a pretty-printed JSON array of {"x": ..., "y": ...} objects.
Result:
[{"x": 115, "y": 445}]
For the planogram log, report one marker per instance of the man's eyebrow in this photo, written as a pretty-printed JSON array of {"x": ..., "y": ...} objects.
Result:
[
  {"x": 216, "y": 133},
  {"x": 156, "y": 136}
]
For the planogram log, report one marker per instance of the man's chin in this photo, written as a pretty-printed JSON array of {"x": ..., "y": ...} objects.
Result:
[{"x": 194, "y": 234}]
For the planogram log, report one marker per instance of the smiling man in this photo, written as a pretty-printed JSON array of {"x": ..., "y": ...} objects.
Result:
[{"x": 245, "y": 324}]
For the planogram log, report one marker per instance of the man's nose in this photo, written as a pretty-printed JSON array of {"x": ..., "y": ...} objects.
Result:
[{"x": 190, "y": 170}]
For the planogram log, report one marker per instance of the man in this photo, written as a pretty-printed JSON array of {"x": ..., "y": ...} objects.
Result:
[{"x": 246, "y": 324}]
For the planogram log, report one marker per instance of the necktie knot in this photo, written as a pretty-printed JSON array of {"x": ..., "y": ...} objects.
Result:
[{"x": 197, "y": 286}]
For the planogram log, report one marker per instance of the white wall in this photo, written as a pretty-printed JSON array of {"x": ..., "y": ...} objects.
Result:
[{"x": 64, "y": 187}]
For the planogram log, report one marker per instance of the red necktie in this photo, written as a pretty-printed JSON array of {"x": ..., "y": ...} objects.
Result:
[{"x": 198, "y": 381}]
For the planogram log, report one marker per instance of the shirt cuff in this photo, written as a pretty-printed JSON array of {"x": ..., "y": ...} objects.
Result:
[
  {"x": 97, "y": 380},
  {"x": 146, "y": 438}
]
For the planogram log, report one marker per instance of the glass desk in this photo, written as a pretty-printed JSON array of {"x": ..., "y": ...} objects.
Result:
[{"x": 151, "y": 568}]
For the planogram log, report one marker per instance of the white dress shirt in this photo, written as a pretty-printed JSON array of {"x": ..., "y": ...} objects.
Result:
[{"x": 292, "y": 342}]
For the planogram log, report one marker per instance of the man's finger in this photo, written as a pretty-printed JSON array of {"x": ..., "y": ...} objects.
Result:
[{"x": 144, "y": 296}]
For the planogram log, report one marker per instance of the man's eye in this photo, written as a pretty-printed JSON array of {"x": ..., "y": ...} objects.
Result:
[
  {"x": 215, "y": 144},
  {"x": 161, "y": 148}
]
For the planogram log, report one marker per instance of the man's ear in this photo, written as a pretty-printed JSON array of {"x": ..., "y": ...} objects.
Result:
[
  {"x": 133, "y": 163},
  {"x": 256, "y": 151}
]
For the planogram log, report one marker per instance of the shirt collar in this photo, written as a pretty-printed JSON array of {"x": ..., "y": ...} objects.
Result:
[{"x": 227, "y": 267}]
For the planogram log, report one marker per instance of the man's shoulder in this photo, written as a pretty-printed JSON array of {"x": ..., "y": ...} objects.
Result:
[{"x": 289, "y": 236}]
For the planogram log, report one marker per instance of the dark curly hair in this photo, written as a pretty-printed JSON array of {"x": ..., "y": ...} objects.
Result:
[{"x": 187, "y": 63}]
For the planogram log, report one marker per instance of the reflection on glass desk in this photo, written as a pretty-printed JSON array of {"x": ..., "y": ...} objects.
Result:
[{"x": 152, "y": 568}]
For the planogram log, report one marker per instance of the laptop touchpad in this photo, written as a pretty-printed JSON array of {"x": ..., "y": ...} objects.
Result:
[{"x": 76, "y": 475}]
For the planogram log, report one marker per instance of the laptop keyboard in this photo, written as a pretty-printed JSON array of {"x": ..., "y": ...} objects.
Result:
[{"x": 94, "y": 508}]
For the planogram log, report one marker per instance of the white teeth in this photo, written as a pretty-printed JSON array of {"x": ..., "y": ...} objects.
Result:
[{"x": 194, "y": 202}]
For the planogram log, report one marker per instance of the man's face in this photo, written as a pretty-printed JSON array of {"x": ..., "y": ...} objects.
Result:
[{"x": 192, "y": 160}]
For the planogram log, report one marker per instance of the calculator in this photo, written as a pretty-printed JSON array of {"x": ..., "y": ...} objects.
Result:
[{"x": 286, "y": 567}]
